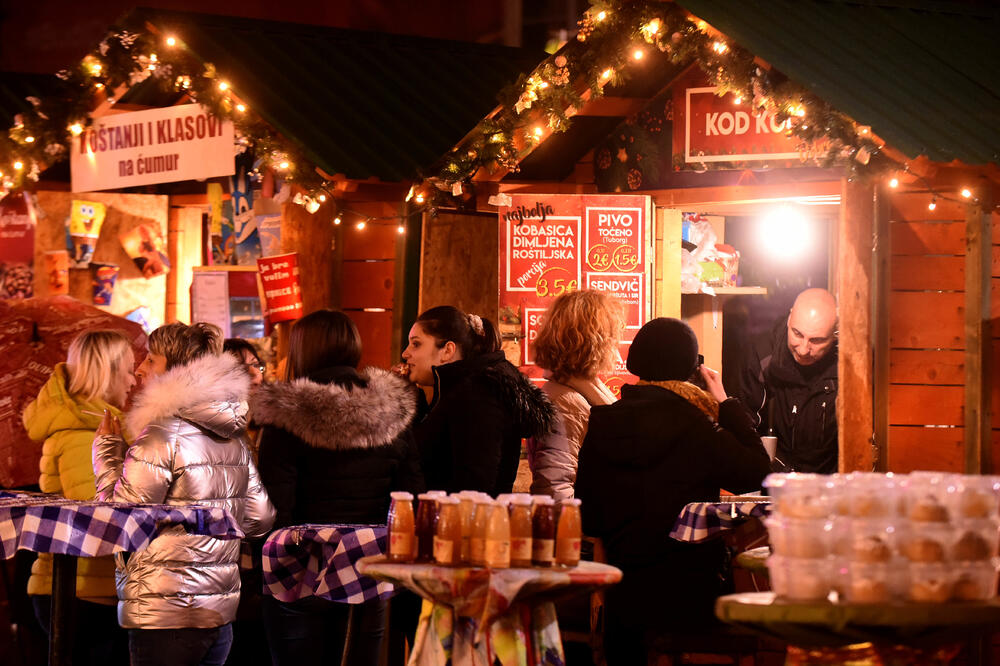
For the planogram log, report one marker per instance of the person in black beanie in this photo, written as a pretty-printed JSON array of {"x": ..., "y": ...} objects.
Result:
[{"x": 665, "y": 444}]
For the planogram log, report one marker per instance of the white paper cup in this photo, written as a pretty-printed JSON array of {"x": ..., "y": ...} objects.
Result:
[{"x": 770, "y": 445}]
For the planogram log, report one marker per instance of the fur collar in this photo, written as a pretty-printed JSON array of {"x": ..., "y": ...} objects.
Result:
[
  {"x": 210, "y": 391},
  {"x": 331, "y": 416}
]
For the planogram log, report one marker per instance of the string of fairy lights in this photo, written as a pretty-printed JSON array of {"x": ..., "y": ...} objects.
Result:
[{"x": 613, "y": 40}]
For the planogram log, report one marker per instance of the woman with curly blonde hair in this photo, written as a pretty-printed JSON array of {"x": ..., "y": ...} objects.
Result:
[{"x": 579, "y": 338}]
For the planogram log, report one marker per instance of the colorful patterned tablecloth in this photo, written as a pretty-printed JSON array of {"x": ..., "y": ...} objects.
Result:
[
  {"x": 53, "y": 524},
  {"x": 319, "y": 560},
  {"x": 481, "y": 617},
  {"x": 700, "y": 521}
]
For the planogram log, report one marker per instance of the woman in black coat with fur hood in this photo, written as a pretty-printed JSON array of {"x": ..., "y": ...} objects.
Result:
[
  {"x": 481, "y": 408},
  {"x": 334, "y": 444}
]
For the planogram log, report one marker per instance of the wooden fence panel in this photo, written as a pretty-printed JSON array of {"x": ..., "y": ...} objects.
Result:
[
  {"x": 926, "y": 405},
  {"x": 927, "y": 320},
  {"x": 915, "y": 447},
  {"x": 926, "y": 366}
]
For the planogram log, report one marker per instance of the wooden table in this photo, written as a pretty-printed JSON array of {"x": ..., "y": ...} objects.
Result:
[
  {"x": 895, "y": 632},
  {"x": 479, "y": 616}
]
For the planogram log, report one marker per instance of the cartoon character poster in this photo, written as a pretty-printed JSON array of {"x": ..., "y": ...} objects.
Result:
[
  {"x": 246, "y": 240},
  {"x": 84, "y": 227}
]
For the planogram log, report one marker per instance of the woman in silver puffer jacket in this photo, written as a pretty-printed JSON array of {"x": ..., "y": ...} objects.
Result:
[{"x": 190, "y": 418}]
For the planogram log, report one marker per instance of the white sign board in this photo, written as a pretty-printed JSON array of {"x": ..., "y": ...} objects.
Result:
[{"x": 183, "y": 142}]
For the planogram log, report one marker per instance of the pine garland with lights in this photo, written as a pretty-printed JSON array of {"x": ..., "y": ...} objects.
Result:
[
  {"x": 42, "y": 135},
  {"x": 613, "y": 36}
]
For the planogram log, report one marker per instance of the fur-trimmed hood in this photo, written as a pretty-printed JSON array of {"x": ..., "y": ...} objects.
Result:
[
  {"x": 210, "y": 391},
  {"x": 336, "y": 417}
]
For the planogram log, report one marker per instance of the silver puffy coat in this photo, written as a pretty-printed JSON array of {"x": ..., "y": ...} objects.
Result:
[{"x": 190, "y": 449}]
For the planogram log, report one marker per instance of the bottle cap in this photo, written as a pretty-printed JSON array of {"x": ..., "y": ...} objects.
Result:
[
  {"x": 428, "y": 496},
  {"x": 401, "y": 495},
  {"x": 543, "y": 500},
  {"x": 572, "y": 502},
  {"x": 444, "y": 499},
  {"x": 437, "y": 493},
  {"x": 521, "y": 500}
]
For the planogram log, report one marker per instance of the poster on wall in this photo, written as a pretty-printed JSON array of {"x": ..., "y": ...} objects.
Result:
[
  {"x": 17, "y": 246},
  {"x": 553, "y": 244},
  {"x": 282, "y": 294}
]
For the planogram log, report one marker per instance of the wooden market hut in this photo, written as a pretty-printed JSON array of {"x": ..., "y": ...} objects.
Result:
[
  {"x": 916, "y": 266},
  {"x": 359, "y": 114}
]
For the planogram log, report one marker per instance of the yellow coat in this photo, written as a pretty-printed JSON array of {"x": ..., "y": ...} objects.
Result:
[{"x": 66, "y": 469}]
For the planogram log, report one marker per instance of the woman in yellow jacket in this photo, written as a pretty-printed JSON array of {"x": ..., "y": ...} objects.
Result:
[{"x": 96, "y": 376}]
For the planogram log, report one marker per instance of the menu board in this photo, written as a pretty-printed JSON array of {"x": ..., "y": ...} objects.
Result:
[{"x": 552, "y": 244}]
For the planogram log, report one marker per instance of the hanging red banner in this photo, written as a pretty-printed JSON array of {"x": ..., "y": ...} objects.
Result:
[{"x": 282, "y": 294}]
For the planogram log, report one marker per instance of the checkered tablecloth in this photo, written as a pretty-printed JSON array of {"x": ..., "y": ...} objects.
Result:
[
  {"x": 53, "y": 524},
  {"x": 319, "y": 560},
  {"x": 702, "y": 520}
]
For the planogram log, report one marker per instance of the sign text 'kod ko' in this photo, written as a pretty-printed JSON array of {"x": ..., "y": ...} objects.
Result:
[{"x": 183, "y": 142}]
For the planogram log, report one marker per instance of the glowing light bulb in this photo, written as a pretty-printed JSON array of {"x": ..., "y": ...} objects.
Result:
[
  {"x": 29, "y": 139},
  {"x": 638, "y": 54},
  {"x": 98, "y": 86},
  {"x": 241, "y": 108},
  {"x": 966, "y": 192},
  {"x": 76, "y": 129},
  {"x": 283, "y": 165},
  {"x": 18, "y": 165},
  {"x": 601, "y": 16},
  {"x": 606, "y": 74},
  {"x": 932, "y": 205},
  {"x": 539, "y": 131},
  {"x": 894, "y": 182},
  {"x": 786, "y": 235},
  {"x": 800, "y": 111},
  {"x": 223, "y": 85},
  {"x": 337, "y": 220},
  {"x": 361, "y": 225},
  {"x": 652, "y": 27},
  {"x": 401, "y": 229},
  {"x": 702, "y": 25},
  {"x": 322, "y": 197},
  {"x": 738, "y": 100},
  {"x": 720, "y": 47},
  {"x": 171, "y": 41},
  {"x": 419, "y": 198}
]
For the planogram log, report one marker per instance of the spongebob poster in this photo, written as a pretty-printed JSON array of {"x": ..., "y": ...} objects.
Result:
[{"x": 83, "y": 230}]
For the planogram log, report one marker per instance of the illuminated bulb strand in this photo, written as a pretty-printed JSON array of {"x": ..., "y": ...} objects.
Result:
[{"x": 964, "y": 195}]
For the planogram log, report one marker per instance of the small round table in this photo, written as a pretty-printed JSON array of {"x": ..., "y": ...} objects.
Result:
[
  {"x": 895, "y": 632},
  {"x": 481, "y": 616}
]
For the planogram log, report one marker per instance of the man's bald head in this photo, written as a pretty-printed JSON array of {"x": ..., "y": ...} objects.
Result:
[{"x": 812, "y": 326}]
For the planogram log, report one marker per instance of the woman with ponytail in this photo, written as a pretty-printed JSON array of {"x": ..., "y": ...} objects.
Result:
[{"x": 481, "y": 406}]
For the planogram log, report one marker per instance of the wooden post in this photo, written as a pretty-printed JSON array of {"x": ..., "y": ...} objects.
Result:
[
  {"x": 978, "y": 255},
  {"x": 856, "y": 297},
  {"x": 667, "y": 271}
]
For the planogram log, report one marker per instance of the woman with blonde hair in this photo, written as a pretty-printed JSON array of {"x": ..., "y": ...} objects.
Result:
[
  {"x": 578, "y": 339},
  {"x": 95, "y": 378}
]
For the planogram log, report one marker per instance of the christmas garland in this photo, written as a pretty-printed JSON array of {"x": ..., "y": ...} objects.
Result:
[{"x": 612, "y": 39}]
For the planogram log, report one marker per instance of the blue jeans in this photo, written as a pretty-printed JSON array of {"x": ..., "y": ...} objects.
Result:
[
  {"x": 314, "y": 630},
  {"x": 180, "y": 647}
]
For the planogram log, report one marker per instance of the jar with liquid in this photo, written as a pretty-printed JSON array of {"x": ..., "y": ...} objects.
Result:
[
  {"x": 520, "y": 531},
  {"x": 427, "y": 509},
  {"x": 448, "y": 537},
  {"x": 466, "y": 507},
  {"x": 543, "y": 532},
  {"x": 480, "y": 523},
  {"x": 402, "y": 527},
  {"x": 569, "y": 534},
  {"x": 498, "y": 538}
]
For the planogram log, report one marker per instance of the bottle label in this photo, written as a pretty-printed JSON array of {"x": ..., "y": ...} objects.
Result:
[
  {"x": 401, "y": 544},
  {"x": 444, "y": 551},
  {"x": 477, "y": 551},
  {"x": 498, "y": 553},
  {"x": 542, "y": 550},
  {"x": 568, "y": 551},
  {"x": 520, "y": 550}
]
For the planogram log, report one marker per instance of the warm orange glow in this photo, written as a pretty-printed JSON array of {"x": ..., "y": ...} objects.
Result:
[
  {"x": 401, "y": 229},
  {"x": 361, "y": 225},
  {"x": 638, "y": 54},
  {"x": 966, "y": 192},
  {"x": 76, "y": 129},
  {"x": 241, "y": 108},
  {"x": 336, "y": 220},
  {"x": 894, "y": 182},
  {"x": 223, "y": 85},
  {"x": 932, "y": 205},
  {"x": 29, "y": 139},
  {"x": 419, "y": 198},
  {"x": 18, "y": 165},
  {"x": 171, "y": 41},
  {"x": 606, "y": 74}
]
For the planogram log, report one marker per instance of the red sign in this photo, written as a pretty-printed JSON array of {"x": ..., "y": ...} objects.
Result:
[
  {"x": 282, "y": 293},
  {"x": 17, "y": 247},
  {"x": 718, "y": 129},
  {"x": 553, "y": 244}
]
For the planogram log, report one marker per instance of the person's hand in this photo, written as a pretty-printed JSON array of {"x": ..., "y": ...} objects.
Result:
[
  {"x": 109, "y": 425},
  {"x": 713, "y": 380}
]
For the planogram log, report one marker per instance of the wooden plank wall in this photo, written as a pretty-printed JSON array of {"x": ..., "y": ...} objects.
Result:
[
  {"x": 994, "y": 359},
  {"x": 926, "y": 334}
]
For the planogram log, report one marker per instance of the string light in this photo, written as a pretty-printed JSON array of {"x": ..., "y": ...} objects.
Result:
[
  {"x": 401, "y": 229},
  {"x": 322, "y": 198},
  {"x": 966, "y": 193},
  {"x": 18, "y": 165},
  {"x": 29, "y": 139},
  {"x": 241, "y": 108},
  {"x": 538, "y": 131},
  {"x": 361, "y": 225},
  {"x": 720, "y": 47},
  {"x": 223, "y": 86},
  {"x": 419, "y": 198},
  {"x": 933, "y": 204},
  {"x": 894, "y": 182},
  {"x": 601, "y": 16},
  {"x": 283, "y": 165},
  {"x": 638, "y": 54},
  {"x": 606, "y": 74},
  {"x": 76, "y": 129},
  {"x": 171, "y": 41}
]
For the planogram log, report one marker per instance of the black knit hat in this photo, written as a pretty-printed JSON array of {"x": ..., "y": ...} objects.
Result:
[{"x": 664, "y": 348}]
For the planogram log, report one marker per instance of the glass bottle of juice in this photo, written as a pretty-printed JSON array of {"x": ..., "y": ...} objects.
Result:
[
  {"x": 569, "y": 534},
  {"x": 426, "y": 526},
  {"x": 543, "y": 533},
  {"x": 520, "y": 531},
  {"x": 480, "y": 523},
  {"x": 448, "y": 537},
  {"x": 402, "y": 528},
  {"x": 466, "y": 506},
  {"x": 498, "y": 538}
]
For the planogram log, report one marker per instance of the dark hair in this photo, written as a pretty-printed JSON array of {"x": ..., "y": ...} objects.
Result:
[
  {"x": 446, "y": 322},
  {"x": 322, "y": 339},
  {"x": 236, "y": 347}
]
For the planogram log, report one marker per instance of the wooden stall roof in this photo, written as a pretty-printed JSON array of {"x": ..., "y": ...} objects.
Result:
[
  {"x": 922, "y": 74},
  {"x": 365, "y": 105}
]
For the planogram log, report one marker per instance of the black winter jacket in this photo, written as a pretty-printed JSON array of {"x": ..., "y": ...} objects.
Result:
[
  {"x": 802, "y": 400},
  {"x": 642, "y": 460},
  {"x": 471, "y": 437},
  {"x": 334, "y": 446}
]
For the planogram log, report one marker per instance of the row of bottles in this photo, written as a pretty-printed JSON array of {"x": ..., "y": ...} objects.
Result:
[{"x": 471, "y": 528}]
